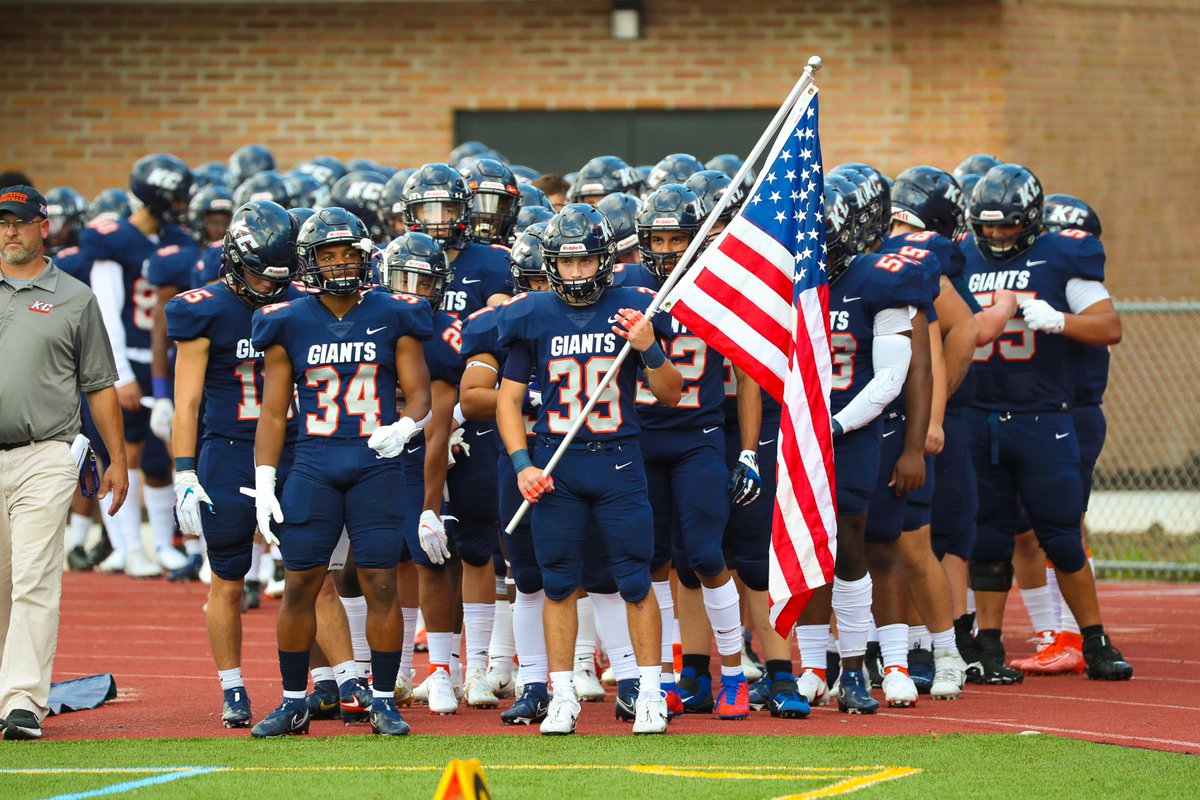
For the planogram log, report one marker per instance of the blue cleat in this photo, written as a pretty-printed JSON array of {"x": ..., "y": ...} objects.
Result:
[
  {"x": 189, "y": 571},
  {"x": 760, "y": 693},
  {"x": 355, "y": 701},
  {"x": 785, "y": 700},
  {"x": 696, "y": 691},
  {"x": 385, "y": 719},
  {"x": 235, "y": 711},
  {"x": 920, "y": 669},
  {"x": 529, "y": 708},
  {"x": 627, "y": 695},
  {"x": 290, "y": 719},
  {"x": 323, "y": 701},
  {"x": 855, "y": 697}
]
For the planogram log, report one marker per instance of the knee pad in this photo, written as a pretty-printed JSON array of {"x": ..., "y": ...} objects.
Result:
[
  {"x": 475, "y": 543},
  {"x": 685, "y": 574},
  {"x": 559, "y": 585},
  {"x": 1064, "y": 548},
  {"x": 753, "y": 572},
  {"x": 156, "y": 462},
  {"x": 634, "y": 587},
  {"x": 991, "y": 576},
  {"x": 528, "y": 579}
]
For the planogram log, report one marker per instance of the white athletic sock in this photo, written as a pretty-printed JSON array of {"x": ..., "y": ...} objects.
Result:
[
  {"x": 563, "y": 684},
  {"x": 356, "y": 619},
  {"x": 410, "y": 633},
  {"x": 612, "y": 625},
  {"x": 813, "y": 641},
  {"x": 666, "y": 609},
  {"x": 872, "y": 631},
  {"x": 1056, "y": 597},
  {"x": 345, "y": 671},
  {"x": 918, "y": 636},
  {"x": 1069, "y": 623},
  {"x": 231, "y": 678},
  {"x": 326, "y": 674},
  {"x": 81, "y": 526},
  {"x": 944, "y": 640},
  {"x": 440, "y": 645},
  {"x": 1040, "y": 605},
  {"x": 108, "y": 525},
  {"x": 725, "y": 616},
  {"x": 970, "y": 601},
  {"x": 852, "y": 606},
  {"x": 477, "y": 625},
  {"x": 193, "y": 545},
  {"x": 530, "y": 637},
  {"x": 160, "y": 511},
  {"x": 650, "y": 676},
  {"x": 256, "y": 551},
  {"x": 502, "y": 648},
  {"x": 585, "y": 636},
  {"x": 893, "y": 645},
  {"x": 456, "y": 670},
  {"x": 128, "y": 520}
]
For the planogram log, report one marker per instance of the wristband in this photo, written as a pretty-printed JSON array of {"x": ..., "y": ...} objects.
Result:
[
  {"x": 521, "y": 460},
  {"x": 653, "y": 356},
  {"x": 837, "y": 428},
  {"x": 184, "y": 464},
  {"x": 459, "y": 418},
  {"x": 160, "y": 386}
]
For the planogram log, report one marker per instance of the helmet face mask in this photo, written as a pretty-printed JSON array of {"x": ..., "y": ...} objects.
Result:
[
  {"x": 525, "y": 260},
  {"x": 437, "y": 202},
  {"x": 495, "y": 201},
  {"x": 415, "y": 264},
  {"x": 839, "y": 231},
  {"x": 1006, "y": 211},
  {"x": 66, "y": 209},
  {"x": 324, "y": 269},
  {"x": 210, "y": 213},
  {"x": 622, "y": 209},
  {"x": 576, "y": 233}
]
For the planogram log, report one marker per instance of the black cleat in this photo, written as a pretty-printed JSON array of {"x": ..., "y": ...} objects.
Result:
[
  {"x": 77, "y": 559},
  {"x": 920, "y": 669},
  {"x": 100, "y": 551},
  {"x": 854, "y": 696},
  {"x": 833, "y": 668},
  {"x": 529, "y": 708},
  {"x": 1105, "y": 662},
  {"x": 992, "y": 669},
  {"x": 873, "y": 663},
  {"x": 385, "y": 719},
  {"x": 290, "y": 719},
  {"x": 964, "y": 640},
  {"x": 189, "y": 571},
  {"x": 251, "y": 595}
]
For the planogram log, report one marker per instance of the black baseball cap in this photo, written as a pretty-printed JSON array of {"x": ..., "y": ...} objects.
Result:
[{"x": 24, "y": 201}]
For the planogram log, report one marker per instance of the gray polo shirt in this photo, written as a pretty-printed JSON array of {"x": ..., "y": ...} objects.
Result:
[{"x": 52, "y": 347}]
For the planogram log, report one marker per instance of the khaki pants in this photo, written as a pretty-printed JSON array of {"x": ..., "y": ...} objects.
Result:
[{"x": 36, "y": 486}]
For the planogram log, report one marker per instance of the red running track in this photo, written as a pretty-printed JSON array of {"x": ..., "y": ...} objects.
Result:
[{"x": 151, "y": 636}]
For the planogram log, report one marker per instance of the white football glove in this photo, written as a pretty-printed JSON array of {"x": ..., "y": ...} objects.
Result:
[
  {"x": 1041, "y": 316},
  {"x": 432, "y": 534},
  {"x": 162, "y": 414},
  {"x": 457, "y": 439},
  {"x": 389, "y": 440},
  {"x": 745, "y": 484},
  {"x": 266, "y": 505},
  {"x": 189, "y": 494}
]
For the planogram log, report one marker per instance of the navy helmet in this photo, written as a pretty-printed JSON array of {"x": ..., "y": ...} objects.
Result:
[
  {"x": 839, "y": 229},
  {"x": 360, "y": 164},
  {"x": 212, "y": 199},
  {"x": 495, "y": 201},
  {"x": 391, "y": 202},
  {"x": 579, "y": 230},
  {"x": 525, "y": 174},
  {"x": 67, "y": 211},
  {"x": 266, "y": 185},
  {"x": 414, "y": 263},
  {"x": 710, "y": 185},
  {"x": 847, "y": 192},
  {"x": 670, "y": 207},
  {"x": 600, "y": 176},
  {"x": 622, "y": 210},
  {"x": 211, "y": 173},
  {"x": 928, "y": 198},
  {"x": 872, "y": 205},
  {"x": 675, "y": 168},
  {"x": 1063, "y": 211},
  {"x": 530, "y": 215},
  {"x": 1009, "y": 194},
  {"x": 360, "y": 193},
  {"x": 533, "y": 196},
  {"x": 978, "y": 164},
  {"x": 304, "y": 190},
  {"x": 326, "y": 169},
  {"x": 730, "y": 164},
  {"x": 525, "y": 260},
  {"x": 110, "y": 202},
  {"x": 301, "y": 215},
  {"x": 329, "y": 226},
  {"x": 249, "y": 160},
  {"x": 260, "y": 242},
  {"x": 161, "y": 182},
  {"x": 471, "y": 148},
  {"x": 437, "y": 201}
]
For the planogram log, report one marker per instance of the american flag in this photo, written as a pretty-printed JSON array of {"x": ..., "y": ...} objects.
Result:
[{"x": 759, "y": 294}]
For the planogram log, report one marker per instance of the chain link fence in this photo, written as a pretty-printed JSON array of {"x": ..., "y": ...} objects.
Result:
[{"x": 1143, "y": 519}]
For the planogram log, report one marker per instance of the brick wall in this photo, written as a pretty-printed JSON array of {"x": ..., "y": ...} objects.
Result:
[{"x": 906, "y": 82}]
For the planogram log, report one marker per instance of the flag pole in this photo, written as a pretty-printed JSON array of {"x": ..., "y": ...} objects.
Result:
[{"x": 693, "y": 248}]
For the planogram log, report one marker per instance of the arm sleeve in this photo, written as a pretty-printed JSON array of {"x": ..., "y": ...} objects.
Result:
[
  {"x": 1082, "y": 294},
  {"x": 95, "y": 367},
  {"x": 890, "y": 354},
  {"x": 894, "y": 320},
  {"x": 519, "y": 364},
  {"x": 108, "y": 284}
]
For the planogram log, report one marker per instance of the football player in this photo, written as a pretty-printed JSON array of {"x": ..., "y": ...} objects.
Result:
[
  {"x": 495, "y": 201},
  {"x": 602, "y": 176},
  {"x": 67, "y": 212}
]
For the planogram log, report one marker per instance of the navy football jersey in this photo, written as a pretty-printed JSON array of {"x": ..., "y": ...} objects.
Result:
[
  {"x": 208, "y": 267},
  {"x": 1092, "y": 379},
  {"x": 924, "y": 248},
  {"x": 233, "y": 380},
  {"x": 481, "y": 334},
  {"x": 872, "y": 283},
  {"x": 480, "y": 271},
  {"x": 173, "y": 265},
  {"x": 117, "y": 239},
  {"x": 572, "y": 349},
  {"x": 344, "y": 369},
  {"x": 1024, "y": 370},
  {"x": 72, "y": 261},
  {"x": 443, "y": 349}
]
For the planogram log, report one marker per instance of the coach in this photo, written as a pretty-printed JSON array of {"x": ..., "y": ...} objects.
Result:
[{"x": 53, "y": 347}]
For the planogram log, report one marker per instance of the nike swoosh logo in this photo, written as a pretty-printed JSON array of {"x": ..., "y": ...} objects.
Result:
[
  {"x": 353, "y": 706},
  {"x": 623, "y": 466},
  {"x": 1033, "y": 263},
  {"x": 484, "y": 433},
  {"x": 613, "y": 320},
  {"x": 726, "y": 632},
  {"x": 710, "y": 430},
  {"x": 376, "y": 330},
  {"x": 889, "y": 433},
  {"x": 468, "y": 280},
  {"x": 761, "y": 443},
  {"x": 850, "y": 299},
  {"x": 1062, "y": 435},
  {"x": 412, "y": 449}
]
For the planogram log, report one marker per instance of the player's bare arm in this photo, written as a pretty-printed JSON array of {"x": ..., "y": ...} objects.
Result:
[{"x": 277, "y": 394}]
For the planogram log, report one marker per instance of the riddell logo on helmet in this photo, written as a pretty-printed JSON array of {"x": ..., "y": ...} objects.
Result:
[
  {"x": 334, "y": 234},
  {"x": 669, "y": 222},
  {"x": 491, "y": 185},
  {"x": 434, "y": 193},
  {"x": 572, "y": 247},
  {"x": 412, "y": 262}
]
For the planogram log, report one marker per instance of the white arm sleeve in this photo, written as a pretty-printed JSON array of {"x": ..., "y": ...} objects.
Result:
[
  {"x": 893, "y": 320},
  {"x": 108, "y": 284},
  {"x": 1083, "y": 294},
  {"x": 890, "y": 355}
]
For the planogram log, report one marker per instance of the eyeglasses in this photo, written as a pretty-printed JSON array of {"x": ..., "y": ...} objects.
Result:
[{"x": 18, "y": 224}]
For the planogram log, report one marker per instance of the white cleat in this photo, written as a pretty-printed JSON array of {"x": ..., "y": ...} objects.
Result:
[
  {"x": 169, "y": 558},
  {"x": 404, "y": 687},
  {"x": 814, "y": 688},
  {"x": 140, "y": 565},
  {"x": 500, "y": 680},
  {"x": 608, "y": 677},
  {"x": 561, "y": 717},
  {"x": 114, "y": 563},
  {"x": 441, "y": 696},
  {"x": 421, "y": 693},
  {"x": 751, "y": 670},
  {"x": 273, "y": 588},
  {"x": 899, "y": 691},
  {"x": 949, "y": 674},
  {"x": 587, "y": 687},
  {"x": 478, "y": 691},
  {"x": 650, "y": 713}
]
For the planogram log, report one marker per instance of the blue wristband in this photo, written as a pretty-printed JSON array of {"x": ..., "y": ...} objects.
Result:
[
  {"x": 653, "y": 356},
  {"x": 184, "y": 464},
  {"x": 160, "y": 386},
  {"x": 837, "y": 428},
  {"x": 521, "y": 460}
]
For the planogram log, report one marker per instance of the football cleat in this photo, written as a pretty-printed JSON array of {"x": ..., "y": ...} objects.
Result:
[
  {"x": 760, "y": 693},
  {"x": 873, "y": 662},
  {"x": 171, "y": 559},
  {"x": 785, "y": 700},
  {"x": 587, "y": 686},
  {"x": 386, "y": 719},
  {"x": 813, "y": 688},
  {"x": 404, "y": 687},
  {"x": 478, "y": 691},
  {"x": 77, "y": 559},
  {"x": 833, "y": 663},
  {"x": 650, "y": 712},
  {"x": 441, "y": 696},
  {"x": 991, "y": 660},
  {"x": 626, "y": 704},
  {"x": 1042, "y": 640},
  {"x": 355, "y": 701},
  {"x": 99, "y": 551},
  {"x": 113, "y": 562},
  {"x": 561, "y": 716},
  {"x": 189, "y": 571},
  {"x": 323, "y": 701},
  {"x": 674, "y": 703},
  {"x": 696, "y": 691},
  {"x": 291, "y": 718},
  {"x": 1062, "y": 656},
  {"x": 853, "y": 695},
  {"x": 235, "y": 710},
  {"x": 140, "y": 565},
  {"x": 529, "y": 708},
  {"x": 500, "y": 679},
  {"x": 733, "y": 698},
  {"x": 899, "y": 691},
  {"x": 920, "y": 668},
  {"x": 949, "y": 675},
  {"x": 1105, "y": 662},
  {"x": 964, "y": 640},
  {"x": 608, "y": 677},
  {"x": 752, "y": 666},
  {"x": 251, "y": 595}
]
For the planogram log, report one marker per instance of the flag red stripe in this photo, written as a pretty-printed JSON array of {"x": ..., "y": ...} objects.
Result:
[
  {"x": 711, "y": 332},
  {"x": 754, "y": 261}
]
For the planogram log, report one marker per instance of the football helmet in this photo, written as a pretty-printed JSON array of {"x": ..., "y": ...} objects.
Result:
[
  {"x": 260, "y": 242},
  {"x": 471, "y": 148},
  {"x": 67, "y": 211},
  {"x": 1009, "y": 194},
  {"x": 248, "y": 160},
  {"x": 622, "y": 211},
  {"x": 212, "y": 173},
  {"x": 212, "y": 199},
  {"x": 533, "y": 196},
  {"x": 579, "y": 230},
  {"x": 525, "y": 259},
  {"x": 361, "y": 164},
  {"x": 1063, "y": 211},
  {"x": 839, "y": 230},
  {"x": 160, "y": 182},
  {"x": 847, "y": 192},
  {"x": 391, "y": 202},
  {"x": 495, "y": 201},
  {"x": 978, "y": 164},
  {"x": 928, "y": 198},
  {"x": 600, "y": 176},
  {"x": 525, "y": 174},
  {"x": 670, "y": 207},
  {"x": 301, "y": 215},
  {"x": 326, "y": 169},
  {"x": 675, "y": 168},
  {"x": 267, "y": 185},
  {"x": 334, "y": 225},
  {"x": 304, "y": 190},
  {"x": 710, "y": 185},
  {"x": 437, "y": 202},
  {"x": 111, "y": 202},
  {"x": 360, "y": 192},
  {"x": 414, "y": 263},
  {"x": 873, "y": 202},
  {"x": 530, "y": 215},
  {"x": 730, "y": 164}
]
